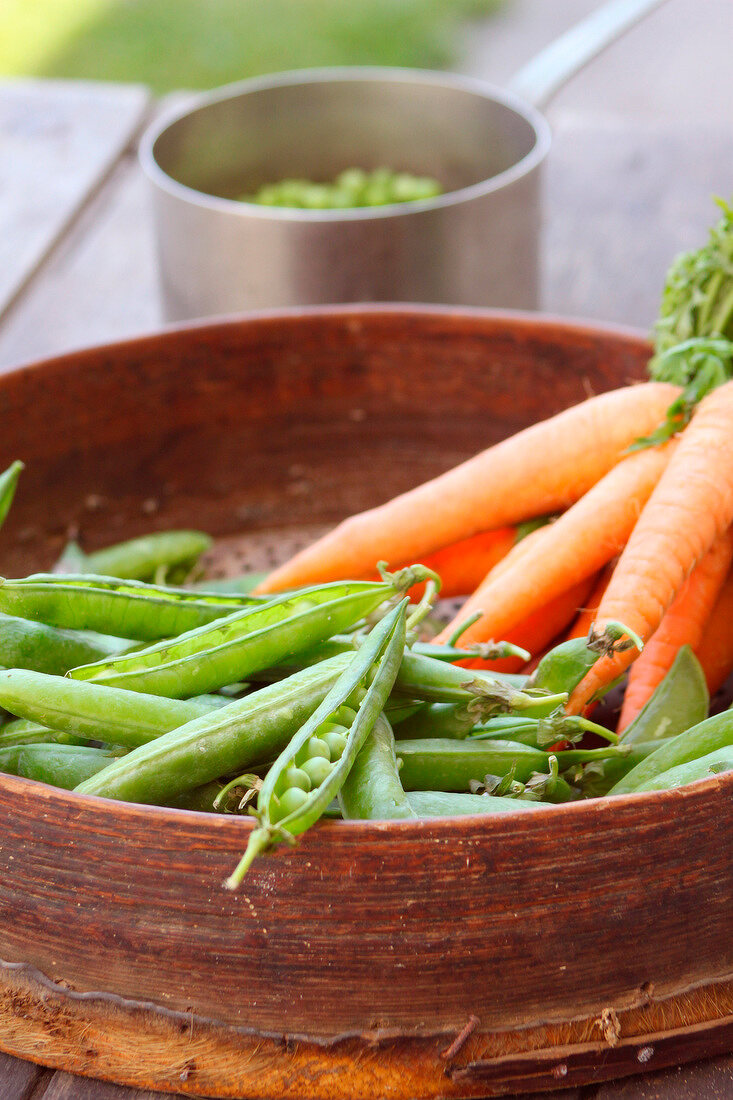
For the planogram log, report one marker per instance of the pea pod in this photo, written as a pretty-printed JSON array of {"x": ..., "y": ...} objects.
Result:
[
  {"x": 224, "y": 742},
  {"x": 460, "y": 804},
  {"x": 372, "y": 789},
  {"x": 453, "y": 720},
  {"x": 72, "y": 559},
  {"x": 127, "y": 609},
  {"x": 598, "y": 778},
  {"x": 435, "y": 764},
  {"x": 708, "y": 736},
  {"x": 679, "y": 702},
  {"x": 422, "y": 677},
  {"x": 62, "y": 766},
  {"x": 8, "y": 485},
  {"x": 27, "y": 644},
  {"x": 234, "y": 586},
  {"x": 142, "y": 558},
  {"x": 286, "y": 807},
  {"x": 99, "y": 713},
  {"x": 223, "y": 652},
  {"x": 22, "y": 732},
  {"x": 703, "y": 767}
]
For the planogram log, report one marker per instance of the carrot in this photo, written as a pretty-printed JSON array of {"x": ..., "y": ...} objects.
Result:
[
  {"x": 540, "y": 470},
  {"x": 715, "y": 651},
  {"x": 463, "y": 565},
  {"x": 587, "y": 616},
  {"x": 537, "y": 631},
  {"x": 571, "y": 549},
  {"x": 683, "y": 624},
  {"x": 690, "y": 508}
]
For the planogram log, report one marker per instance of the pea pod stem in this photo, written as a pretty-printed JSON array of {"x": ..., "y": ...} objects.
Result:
[
  {"x": 377, "y": 660},
  {"x": 614, "y": 638},
  {"x": 547, "y": 731}
]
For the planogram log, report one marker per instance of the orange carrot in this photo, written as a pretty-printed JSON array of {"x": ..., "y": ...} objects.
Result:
[
  {"x": 540, "y": 628},
  {"x": 540, "y": 470},
  {"x": 587, "y": 616},
  {"x": 463, "y": 565},
  {"x": 571, "y": 549},
  {"x": 715, "y": 651},
  {"x": 683, "y": 624},
  {"x": 690, "y": 508}
]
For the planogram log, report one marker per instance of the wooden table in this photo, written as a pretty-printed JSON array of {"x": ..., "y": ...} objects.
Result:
[{"x": 77, "y": 267}]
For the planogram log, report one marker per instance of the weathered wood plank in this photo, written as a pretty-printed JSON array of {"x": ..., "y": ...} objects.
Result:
[
  {"x": 68, "y": 135},
  {"x": 710, "y": 1080},
  {"x": 19, "y": 1080},
  {"x": 99, "y": 285},
  {"x": 619, "y": 207}
]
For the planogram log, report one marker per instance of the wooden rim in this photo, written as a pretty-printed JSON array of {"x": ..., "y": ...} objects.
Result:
[{"x": 140, "y": 1045}]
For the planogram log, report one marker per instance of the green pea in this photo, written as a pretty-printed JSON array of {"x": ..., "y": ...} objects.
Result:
[
  {"x": 317, "y": 747},
  {"x": 336, "y": 742},
  {"x": 317, "y": 769},
  {"x": 344, "y": 716},
  {"x": 290, "y": 801},
  {"x": 297, "y": 777}
]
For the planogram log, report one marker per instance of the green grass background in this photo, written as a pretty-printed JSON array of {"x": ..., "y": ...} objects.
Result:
[{"x": 170, "y": 44}]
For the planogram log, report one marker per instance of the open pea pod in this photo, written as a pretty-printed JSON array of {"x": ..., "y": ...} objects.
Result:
[
  {"x": 123, "y": 608},
  {"x": 287, "y": 805},
  {"x": 226, "y": 651},
  {"x": 243, "y": 733}
]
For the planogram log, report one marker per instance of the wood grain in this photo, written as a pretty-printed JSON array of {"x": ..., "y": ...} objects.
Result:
[
  {"x": 70, "y": 136},
  {"x": 343, "y": 968}
]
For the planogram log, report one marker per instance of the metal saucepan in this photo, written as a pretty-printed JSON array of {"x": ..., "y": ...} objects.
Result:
[{"x": 475, "y": 245}]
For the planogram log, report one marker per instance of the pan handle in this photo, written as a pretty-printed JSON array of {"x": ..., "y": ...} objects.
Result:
[{"x": 543, "y": 76}]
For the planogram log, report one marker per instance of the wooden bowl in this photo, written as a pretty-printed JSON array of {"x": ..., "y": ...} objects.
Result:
[{"x": 442, "y": 958}]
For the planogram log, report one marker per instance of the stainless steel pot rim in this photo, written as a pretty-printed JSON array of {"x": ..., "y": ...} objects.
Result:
[{"x": 479, "y": 88}]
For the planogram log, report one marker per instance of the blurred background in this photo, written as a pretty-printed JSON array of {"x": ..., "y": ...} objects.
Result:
[
  {"x": 675, "y": 65},
  {"x": 642, "y": 138}
]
